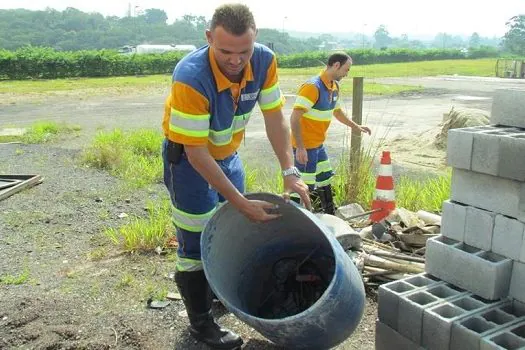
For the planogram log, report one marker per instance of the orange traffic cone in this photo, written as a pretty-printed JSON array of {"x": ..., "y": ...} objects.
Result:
[{"x": 385, "y": 199}]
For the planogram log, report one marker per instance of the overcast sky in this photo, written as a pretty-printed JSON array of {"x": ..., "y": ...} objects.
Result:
[{"x": 417, "y": 17}]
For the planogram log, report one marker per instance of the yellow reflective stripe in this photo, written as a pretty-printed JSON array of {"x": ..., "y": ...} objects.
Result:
[
  {"x": 324, "y": 183},
  {"x": 303, "y": 102},
  {"x": 271, "y": 97},
  {"x": 185, "y": 264},
  {"x": 224, "y": 137},
  {"x": 189, "y": 124},
  {"x": 191, "y": 222},
  {"x": 318, "y": 115},
  {"x": 323, "y": 167},
  {"x": 308, "y": 178}
]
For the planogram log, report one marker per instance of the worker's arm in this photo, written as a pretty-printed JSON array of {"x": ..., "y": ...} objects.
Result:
[
  {"x": 306, "y": 98},
  {"x": 189, "y": 125},
  {"x": 271, "y": 102},
  {"x": 341, "y": 116},
  {"x": 202, "y": 161}
]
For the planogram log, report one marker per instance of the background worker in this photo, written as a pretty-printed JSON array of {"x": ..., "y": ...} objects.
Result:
[
  {"x": 317, "y": 101},
  {"x": 214, "y": 90}
]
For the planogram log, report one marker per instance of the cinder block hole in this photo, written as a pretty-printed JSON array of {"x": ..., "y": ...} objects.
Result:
[
  {"x": 484, "y": 127},
  {"x": 399, "y": 287},
  {"x": 421, "y": 298},
  {"x": 515, "y": 309},
  {"x": 483, "y": 300},
  {"x": 519, "y": 331},
  {"x": 468, "y": 248},
  {"x": 492, "y": 257},
  {"x": 518, "y": 136},
  {"x": 419, "y": 281},
  {"x": 446, "y": 240},
  {"x": 468, "y": 304},
  {"x": 477, "y": 325},
  {"x": 508, "y": 341},
  {"x": 442, "y": 292},
  {"x": 431, "y": 277},
  {"x": 497, "y": 316},
  {"x": 448, "y": 311},
  {"x": 456, "y": 288}
]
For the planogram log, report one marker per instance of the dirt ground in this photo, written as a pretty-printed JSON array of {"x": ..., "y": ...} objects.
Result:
[
  {"x": 71, "y": 301},
  {"x": 81, "y": 292}
]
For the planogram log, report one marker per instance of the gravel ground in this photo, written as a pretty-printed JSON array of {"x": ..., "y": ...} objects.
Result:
[{"x": 52, "y": 232}]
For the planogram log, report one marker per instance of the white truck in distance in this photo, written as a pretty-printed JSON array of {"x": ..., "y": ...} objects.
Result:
[{"x": 145, "y": 49}]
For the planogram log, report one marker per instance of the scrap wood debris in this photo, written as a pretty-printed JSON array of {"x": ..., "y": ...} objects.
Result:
[{"x": 393, "y": 248}]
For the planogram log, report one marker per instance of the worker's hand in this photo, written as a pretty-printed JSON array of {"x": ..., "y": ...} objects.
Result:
[
  {"x": 258, "y": 211},
  {"x": 365, "y": 129},
  {"x": 294, "y": 184},
  {"x": 301, "y": 155}
]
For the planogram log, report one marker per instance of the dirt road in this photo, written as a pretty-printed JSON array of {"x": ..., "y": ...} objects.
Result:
[{"x": 389, "y": 117}]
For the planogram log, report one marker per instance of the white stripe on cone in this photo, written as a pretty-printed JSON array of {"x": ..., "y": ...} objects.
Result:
[
  {"x": 385, "y": 195},
  {"x": 385, "y": 170}
]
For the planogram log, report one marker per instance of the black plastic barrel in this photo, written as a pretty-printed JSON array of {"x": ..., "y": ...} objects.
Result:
[{"x": 289, "y": 278}]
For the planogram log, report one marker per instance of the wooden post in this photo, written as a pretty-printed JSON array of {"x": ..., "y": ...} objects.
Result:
[{"x": 357, "y": 117}]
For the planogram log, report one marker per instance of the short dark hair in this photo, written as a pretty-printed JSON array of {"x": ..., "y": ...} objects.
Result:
[
  {"x": 234, "y": 18},
  {"x": 340, "y": 57}
]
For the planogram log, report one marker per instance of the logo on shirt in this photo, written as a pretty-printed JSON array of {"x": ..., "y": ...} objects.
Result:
[{"x": 249, "y": 97}]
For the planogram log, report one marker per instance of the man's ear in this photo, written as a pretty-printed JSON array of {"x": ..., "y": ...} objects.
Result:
[{"x": 209, "y": 37}]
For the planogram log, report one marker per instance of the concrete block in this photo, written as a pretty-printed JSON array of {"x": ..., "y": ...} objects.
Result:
[
  {"x": 438, "y": 320},
  {"x": 517, "y": 284},
  {"x": 468, "y": 332},
  {"x": 496, "y": 194},
  {"x": 453, "y": 220},
  {"x": 507, "y": 239},
  {"x": 512, "y": 160},
  {"x": 479, "y": 227},
  {"x": 389, "y": 339},
  {"x": 483, "y": 273},
  {"x": 389, "y": 294},
  {"x": 413, "y": 305},
  {"x": 486, "y": 151},
  {"x": 508, "y": 108},
  {"x": 459, "y": 148},
  {"x": 512, "y": 337}
]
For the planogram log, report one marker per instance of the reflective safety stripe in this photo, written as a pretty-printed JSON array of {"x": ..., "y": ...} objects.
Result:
[
  {"x": 385, "y": 195},
  {"x": 303, "y": 102},
  {"x": 323, "y": 167},
  {"x": 308, "y": 178},
  {"x": 270, "y": 98},
  {"x": 188, "y": 124},
  {"x": 315, "y": 114},
  {"x": 191, "y": 222},
  {"x": 385, "y": 170},
  {"x": 185, "y": 264},
  {"x": 224, "y": 137},
  {"x": 324, "y": 183}
]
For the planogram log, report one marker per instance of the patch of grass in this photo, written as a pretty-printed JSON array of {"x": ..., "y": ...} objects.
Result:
[
  {"x": 46, "y": 86},
  {"x": 153, "y": 291},
  {"x": 15, "y": 279},
  {"x": 98, "y": 254},
  {"x": 134, "y": 156},
  {"x": 125, "y": 281},
  {"x": 477, "y": 67},
  {"x": 42, "y": 132},
  {"x": 145, "y": 234},
  {"x": 427, "y": 194},
  {"x": 262, "y": 180}
]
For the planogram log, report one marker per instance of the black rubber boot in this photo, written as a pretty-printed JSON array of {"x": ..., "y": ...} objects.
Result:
[
  {"x": 327, "y": 199},
  {"x": 197, "y": 297}
]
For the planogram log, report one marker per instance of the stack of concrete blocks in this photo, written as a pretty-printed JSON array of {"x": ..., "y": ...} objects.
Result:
[{"x": 472, "y": 294}]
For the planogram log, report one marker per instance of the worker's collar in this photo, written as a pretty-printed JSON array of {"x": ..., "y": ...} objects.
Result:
[
  {"x": 330, "y": 85},
  {"x": 224, "y": 83}
]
